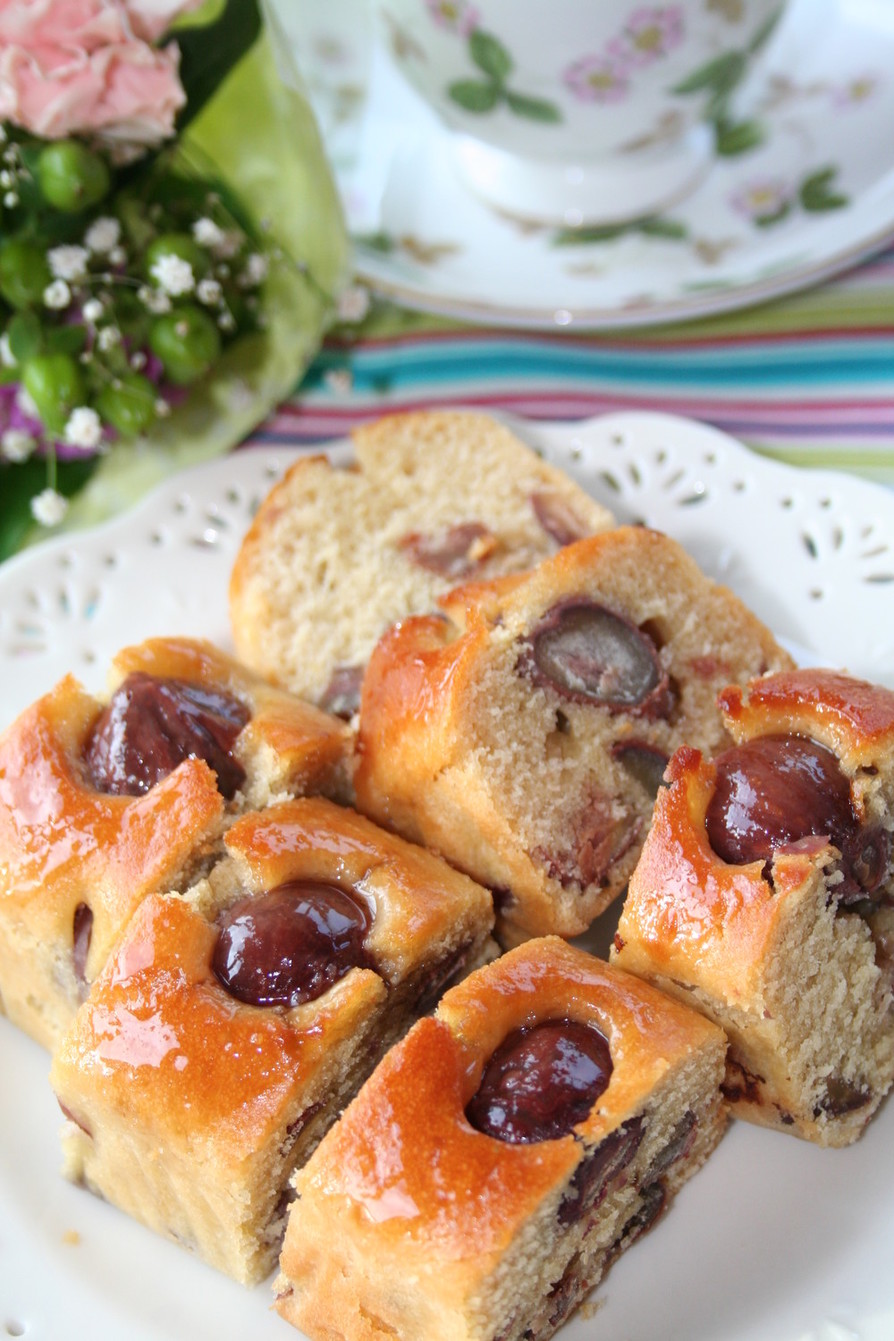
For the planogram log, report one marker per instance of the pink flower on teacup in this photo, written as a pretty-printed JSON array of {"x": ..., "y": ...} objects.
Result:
[
  {"x": 765, "y": 200},
  {"x": 70, "y": 67},
  {"x": 457, "y": 15},
  {"x": 597, "y": 79},
  {"x": 648, "y": 35},
  {"x": 857, "y": 90}
]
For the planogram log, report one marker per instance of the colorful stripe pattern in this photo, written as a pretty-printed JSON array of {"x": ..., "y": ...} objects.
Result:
[{"x": 808, "y": 378}]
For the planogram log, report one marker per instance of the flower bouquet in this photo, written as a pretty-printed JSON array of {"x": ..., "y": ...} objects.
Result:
[{"x": 170, "y": 246}]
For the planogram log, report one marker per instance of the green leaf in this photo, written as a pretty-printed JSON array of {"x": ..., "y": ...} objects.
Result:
[
  {"x": 765, "y": 31},
  {"x": 18, "y": 485},
  {"x": 25, "y": 335},
  {"x": 737, "y": 137},
  {"x": 473, "y": 95},
  {"x": 380, "y": 241},
  {"x": 490, "y": 55},
  {"x": 720, "y": 75},
  {"x": 65, "y": 339},
  {"x": 816, "y": 194},
  {"x": 768, "y": 220},
  {"x": 573, "y": 237},
  {"x": 208, "y": 51},
  {"x": 672, "y": 229},
  {"x": 535, "y": 109}
]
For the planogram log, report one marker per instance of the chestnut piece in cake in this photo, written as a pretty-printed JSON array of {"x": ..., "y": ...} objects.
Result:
[
  {"x": 234, "y": 1022},
  {"x": 100, "y": 804},
  {"x": 334, "y": 557},
  {"x": 764, "y": 897},
  {"x": 523, "y": 737},
  {"x": 502, "y": 1155}
]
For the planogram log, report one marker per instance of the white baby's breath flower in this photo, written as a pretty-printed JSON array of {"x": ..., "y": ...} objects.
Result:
[
  {"x": 226, "y": 321},
  {"x": 68, "y": 262},
  {"x": 207, "y": 233},
  {"x": 162, "y": 408},
  {"x": 353, "y": 304},
  {"x": 138, "y": 360},
  {"x": 10, "y": 200},
  {"x": 208, "y": 291},
  {"x": 7, "y": 178},
  {"x": 103, "y": 235},
  {"x": 48, "y": 507},
  {"x": 173, "y": 275},
  {"x": 255, "y": 272},
  {"x": 117, "y": 256},
  {"x": 92, "y": 310},
  {"x": 158, "y": 303},
  {"x": 108, "y": 338},
  {"x": 84, "y": 428},
  {"x": 7, "y": 357},
  {"x": 57, "y": 295},
  {"x": 16, "y": 445}
]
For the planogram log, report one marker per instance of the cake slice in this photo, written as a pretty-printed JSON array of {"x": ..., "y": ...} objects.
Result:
[
  {"x": 103, "y": 803},
  {"x": 234, "y": 1022},
  {"x": 764, "y": 897},
  {"x": 334, "y": 556},
  {"x": 502, "y": 1156},
  {"x": 525, "y": 734}
]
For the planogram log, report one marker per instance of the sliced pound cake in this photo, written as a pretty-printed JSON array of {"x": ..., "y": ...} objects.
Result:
[{"x": 335, "y": 556}]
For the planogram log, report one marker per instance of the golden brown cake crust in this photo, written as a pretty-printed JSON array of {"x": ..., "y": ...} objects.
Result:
[
  {"x": 800, "y": 985},
  {"x": 214, "y": 1099},
  {"x": 63, "y": 845},
  {"x": 405, "y": 1189},
  {"x": 429, "y": 762}
]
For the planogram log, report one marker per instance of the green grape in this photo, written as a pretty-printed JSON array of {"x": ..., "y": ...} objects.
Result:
[
  {"x": 180, "y": 245},
  {"x": 187, "y": 341},
  {"x": 56, "y": 385},
  {"x": 128, "y": 404},
  {"x": 71, "y": 176},
  {"x": 24, "y": 272}
]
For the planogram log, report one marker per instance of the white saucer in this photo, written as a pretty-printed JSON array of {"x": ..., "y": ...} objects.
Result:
[{"x": 826, "y": 104}]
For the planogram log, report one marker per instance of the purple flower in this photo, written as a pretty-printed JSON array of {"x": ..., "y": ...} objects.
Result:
[
  {"x": 456, "y": 15},
  {"x": 597, "y": 79},
  {"x": 648, "y": 35}
]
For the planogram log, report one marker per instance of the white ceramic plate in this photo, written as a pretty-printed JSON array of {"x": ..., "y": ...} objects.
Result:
[
  {"x": 746, "y": 234},
  {"x": 774, "y": 1240}
]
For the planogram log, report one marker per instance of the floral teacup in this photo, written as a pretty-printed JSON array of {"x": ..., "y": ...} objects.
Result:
[{"x": 578, "y": 111}]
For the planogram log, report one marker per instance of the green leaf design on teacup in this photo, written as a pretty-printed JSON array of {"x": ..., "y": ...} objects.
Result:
[
  {"x": 656, "y": 226},
  {"x": 720, "y": 75},
  {"x": 816, "y": 191},
  {"x": 765, "y": 31},
  {"x": 490, "y": 55},
  {"x": 737, "y": 137},
  {"x": 535, "y": 109},
  {"x": 472, "y": 95},
  {"x": 480, "y": 96}
]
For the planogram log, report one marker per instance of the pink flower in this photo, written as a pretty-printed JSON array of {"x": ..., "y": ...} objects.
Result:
[
  {"x": 75, "y": 66},
  {"x": 457, "y": 15},
  {"x": 764, "y": 200},
  {"x": 151, "y": 19},
  {"x": 649, "y": 34},
  {"x": 596, "y": 79},
  {"x": 127, "y": 91}
]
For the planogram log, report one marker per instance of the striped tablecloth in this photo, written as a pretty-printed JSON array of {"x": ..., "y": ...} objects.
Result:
[{"x": 808, "y": 378}]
